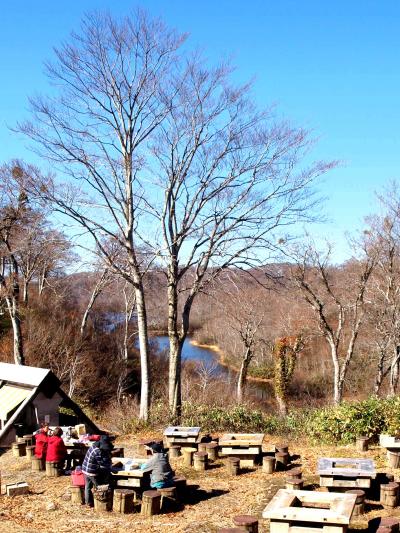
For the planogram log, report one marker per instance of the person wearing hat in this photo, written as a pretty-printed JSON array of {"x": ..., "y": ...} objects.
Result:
[
  {"x": 161, "y": 472},
  {"x": 96, "y": 466}
]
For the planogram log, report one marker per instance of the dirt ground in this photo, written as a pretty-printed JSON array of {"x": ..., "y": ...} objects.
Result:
[{"x": 212, "y": 505}]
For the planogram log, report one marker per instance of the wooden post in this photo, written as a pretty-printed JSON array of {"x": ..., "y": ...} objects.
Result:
[
  {"x": 359, "y": 507},
  {"x": 38, "y": 464},
  {"x": 393, "y": 458},
  {"x": 123, "y": 501},
  {"x": 362, "y": 444},
  {"x": 103, "y": 498},
  {"x": 19, "y": 449},
  {"x": 389, "y": 495},
  {"x": 188, "y": 456},
  {"x": 168, "y": 499},
  {"x": 180, "y": 485},
  {"x": 246, "y": 523},
  {"x": 53, "y": 469},
  {"x": 281, "y": 448},
  {"x": 30, "y": 452},
  {"x": 200, "y": 461},
  {"x": 268, "y": 465},
  {"x": 282, "y": 460},
  {"x": 76, "y": 494},
  {"x": 233, "y": 465},
  {"x": 294, "y": 484},
  {"x": 295, "y": 473},
  {"x": 174, "y": 451},
  {"x": 212, "y": 450},
  {"x": 151, "y": 503}
]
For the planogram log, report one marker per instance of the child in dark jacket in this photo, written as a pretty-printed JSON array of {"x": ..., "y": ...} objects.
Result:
[{"x": 161, "y": 472}]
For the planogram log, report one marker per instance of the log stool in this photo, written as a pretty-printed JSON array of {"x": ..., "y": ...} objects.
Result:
[
  {"x": 246, "y": 523},
  {"x": 200, "y": 461},
  {"x": 76, "y": 494},
  {"x": 168, "y": 499},
  {"x": 359, "y": 507},
  {"x": 102, "y": 497},
  {"x": 123, "y": 501},
  {"x": 281, "y": 448},
  {"x": 28, "y": 439},
  {"x": 389, "y": 495},
  {"x": 188, "y": 456},
  {"x": 201, "y": 447},
  {"x": 30, "y": 452},
  {"x": 174, "y": 451},
  {"x": 393, "y": 458},
  {"x": 295, "y": 473},
  {"x": 393, "y": 524},
  {"x": 38, "y": 464},
  {"x": 180, "y": 485},
  {"x": 212, "y": 450},
  {"x": 151, "y": 503},
  {"x": 282, "y": 460},
  {"x": 383, "y": 529},
  {"x": 233, "y": 464},
  {"x": 268, "y": 464},
  {"x": 53, "y": 469},
  {"x": 19, "y": 449},
  {"x": 294, "y": 484},
  {"x": 362, "y": 444}
]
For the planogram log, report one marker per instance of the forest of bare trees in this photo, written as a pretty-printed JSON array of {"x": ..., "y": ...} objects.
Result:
[{"x": 183, "y": 203}]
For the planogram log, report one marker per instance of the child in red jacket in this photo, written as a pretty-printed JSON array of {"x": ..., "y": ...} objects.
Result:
[
  {"x": 41, "y": 440},
  {"x": 56, "y": 449}
]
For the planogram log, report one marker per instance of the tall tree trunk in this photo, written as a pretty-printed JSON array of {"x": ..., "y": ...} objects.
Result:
[
  {"x": 282, "y": 405},
  {"x": 25, "y": 292},
  {"x": 394, "y": 370},
  {"x": 13, "y": 309},
  {"x": 379, "y": 373},
  {"x": 337, "y": 386},
  {"x": 241, "y": 382},
  {"x": 145, "y": 387},
  {"x": 175, "y": 349}
]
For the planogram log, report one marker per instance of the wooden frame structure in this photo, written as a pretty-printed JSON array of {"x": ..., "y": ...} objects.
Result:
[
  {"x": 345, "y": 473},
  {"x": 134, "y": 478},
  {"x": 301, "y": 511},
  {"x": 246, "y": 446}
]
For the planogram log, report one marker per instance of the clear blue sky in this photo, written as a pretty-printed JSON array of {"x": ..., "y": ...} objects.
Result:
[{"x": 332, "y": 67}]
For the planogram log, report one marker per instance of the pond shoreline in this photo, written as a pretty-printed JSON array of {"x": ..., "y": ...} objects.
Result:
[{"x": 222, "y": 361}]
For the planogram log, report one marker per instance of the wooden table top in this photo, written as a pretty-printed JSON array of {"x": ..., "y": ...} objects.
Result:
[
  {"x": 241, "y": 439},
  {"x": 336, "y": 466},
  {"x": 181, "y": 431}
]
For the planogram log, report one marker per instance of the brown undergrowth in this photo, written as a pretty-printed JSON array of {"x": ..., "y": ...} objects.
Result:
[{"x": 216, "y": 500}]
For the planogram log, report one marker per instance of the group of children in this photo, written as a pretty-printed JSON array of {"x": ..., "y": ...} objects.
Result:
[{"x": 97, "y": 465}]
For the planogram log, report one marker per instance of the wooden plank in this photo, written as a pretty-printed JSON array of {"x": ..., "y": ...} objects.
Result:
[
  {"x": 240, "y": 451},
  {"x": 326, "y": 481},
  {"x": 181, "y": 431},
  {"x": 241, "y": 439},
  {"x": 132, "y": 482}
]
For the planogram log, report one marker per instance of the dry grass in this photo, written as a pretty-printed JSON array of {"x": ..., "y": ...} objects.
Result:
[{"x": 218, "y": 499}]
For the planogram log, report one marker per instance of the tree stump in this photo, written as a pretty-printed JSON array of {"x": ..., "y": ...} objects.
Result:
[
  {"x": 53, "y": 469},
  {"x": 168, "y": 499},
  {"x": 393, "y": 458},
  {"x": 359, "y": 507},
  {"x": 103, "y": 498},
  {"x": 294, "y": 484},
  {"x": 123, "y": 501},
  {"x": 281, "y": 448},
  {"x": 282, "y": 460},
  {"x": 246, "y": 523},
  {"x": 151, "y": 503},
  {"x": 212, "y": 450},
  {"x": 200, "y": 461},
  {"x": 201, "y": 447},
  {"x": 233, "y": 464},
  {"x": 174, "y": 451},
  {"x": 362, "y": 444},
  {"x": 392, "y": 523},
  {"x": 30, "y": 452},
  {"x": 28, "y": 439},
  {"x": 268, "y": 464},
  {"x": 389, "y": 495},
  {"x": 18, "y": 449},
  {"x": 180, "y": 485},
  {"x": 76, "y": 494},
  {"x": 38, "y": 464},
  {"x": 188, "y": 456}
]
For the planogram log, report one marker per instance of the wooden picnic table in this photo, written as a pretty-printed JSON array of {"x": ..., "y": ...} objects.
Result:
[
  {"x": 344, "y": 473},
  {"x": 181, "y": 435},
  {"x": 301, "y": 511},
  {"x": 134, "y": 478},
  {"x": 246, "y": 446}
]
